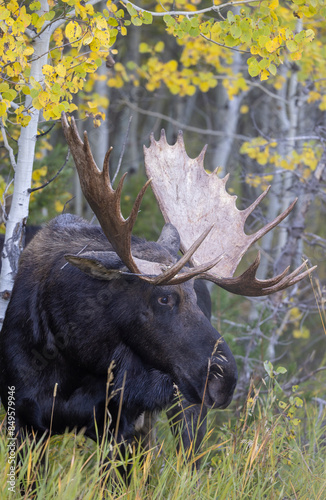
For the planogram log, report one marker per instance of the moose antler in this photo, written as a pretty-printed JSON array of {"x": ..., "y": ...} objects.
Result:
[
  {"x": 193, "y": 200},
  {"x": 105, "y": 202}
]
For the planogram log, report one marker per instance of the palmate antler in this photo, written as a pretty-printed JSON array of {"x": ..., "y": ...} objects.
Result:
[
  {"x": 105, "y": 202},
  {"x": 193, "y": 200}
]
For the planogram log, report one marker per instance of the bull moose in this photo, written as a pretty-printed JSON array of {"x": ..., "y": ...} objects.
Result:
[{"x": 88, "y": 299}]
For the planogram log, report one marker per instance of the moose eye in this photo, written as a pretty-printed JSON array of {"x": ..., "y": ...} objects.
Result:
[{"x": 164, "y": 301}]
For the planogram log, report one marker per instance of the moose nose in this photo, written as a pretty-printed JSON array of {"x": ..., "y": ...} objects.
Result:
[{"x": 220, "y": 386}]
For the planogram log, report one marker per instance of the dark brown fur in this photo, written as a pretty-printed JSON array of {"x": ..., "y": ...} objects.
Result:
[{"x": 65, "y": 327}]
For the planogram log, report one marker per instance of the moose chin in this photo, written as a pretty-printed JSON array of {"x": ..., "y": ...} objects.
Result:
[{"x": 91, "y": 300}]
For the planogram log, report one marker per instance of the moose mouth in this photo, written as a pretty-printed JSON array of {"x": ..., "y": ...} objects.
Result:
[{"x": 217, "y": 392}]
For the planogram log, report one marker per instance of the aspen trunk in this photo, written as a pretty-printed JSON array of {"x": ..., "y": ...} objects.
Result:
[{"x": 18, "y": 214}]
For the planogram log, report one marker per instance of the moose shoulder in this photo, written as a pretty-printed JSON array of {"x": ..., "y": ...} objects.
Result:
[{"x": 94, "y": 303}]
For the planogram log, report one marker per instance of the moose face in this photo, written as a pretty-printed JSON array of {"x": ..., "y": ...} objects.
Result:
[
  {"x": 165, "y": 328},
  {"x": 177, "y": 338}
]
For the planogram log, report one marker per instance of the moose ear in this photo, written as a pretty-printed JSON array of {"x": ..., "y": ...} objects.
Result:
[
  {"x": 170, "y": 239},
  {"x": 99, "y": 265}
]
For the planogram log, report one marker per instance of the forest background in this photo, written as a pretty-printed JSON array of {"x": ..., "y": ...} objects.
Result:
[{"x": 247, "y": 78}]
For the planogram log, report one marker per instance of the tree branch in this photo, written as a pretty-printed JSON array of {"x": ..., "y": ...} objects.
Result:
[
  {"x": 31, "y": 190},
  {"x": 214, "y": 8},
  {"x": 7, "y": 146},
  {"x": 196, "y": 130},
  {"x": 224, "y": 46}
]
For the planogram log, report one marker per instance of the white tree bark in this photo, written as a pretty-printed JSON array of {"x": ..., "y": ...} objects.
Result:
[
  {"x": 227, "y": 120},
  {"x": 13, "y": 243}
]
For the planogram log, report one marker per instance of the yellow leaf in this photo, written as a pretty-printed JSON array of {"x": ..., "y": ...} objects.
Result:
[
  {"x": 159, "y": 47},
  {"x": 73, "y": 31},
  {"x": 244, "y": 109},
  {"x": 272, "y": 45},
  {"x": 23, "y": 120},
  {"x": 43, "y": 98},
  {"x": 61, "y": 70},
  {"x": 273, "y": 4},
  {"x": 103, "y": 37},
  {"x": 296, "y": 56},
  {"x": 48, "y": 113},
  {"x": 87, "y": 39},
  {"x": 39, "y": 173},
  {"x": 95, "y": 45},
  {"x": 264, "y": 75},
  {"x": 59, "y": 206},
  {"x": 91, "y": 105},
  {"x": 302, "y": 333},
  {"x": 144, "y": 47},
  {"x": 47, "y": 70},
  {"x": 3, "y": 108},
  {"x": 28, "y": 51},
  {"x": 204, "y": 86}
]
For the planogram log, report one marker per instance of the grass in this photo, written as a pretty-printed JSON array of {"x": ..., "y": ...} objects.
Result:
[{"x": 273, "y": 447}]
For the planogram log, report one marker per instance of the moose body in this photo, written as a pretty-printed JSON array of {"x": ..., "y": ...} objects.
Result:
[
  {"x": 65, "y": 325},
  {"x": 93, "y": 305}
]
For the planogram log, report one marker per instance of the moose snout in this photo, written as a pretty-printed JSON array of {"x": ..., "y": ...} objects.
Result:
[{"x": 221, "y": 382}]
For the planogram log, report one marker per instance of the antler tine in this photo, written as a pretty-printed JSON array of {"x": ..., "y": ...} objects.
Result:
[
  {"x": 248, "y": 285},
  {"x": 103, "y": 199},
  {"x": 195, "y": 272},
  {"x": 265, "y": 229},
  {"x": 167, "y": 276}
]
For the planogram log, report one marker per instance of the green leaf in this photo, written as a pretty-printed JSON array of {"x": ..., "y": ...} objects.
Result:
[
  {"x": 185, "y": 25},
  {"x": 263, "y": 63},
  {"x": 4, "y": 86},
  {"x": 281, "y": 369},
  {"x": 253, "y": 69},
  {"x": 267, "y": 364},
  {"x": 34, "y": 93},
  {"x": 194, "y": 32},
  {"x": 56, "y": 88},
  {"x": 300, "y": 36},
  {"x": 112, "y": 22},
  {"x": 169, "y": 20},
  {"x": 297, "y": 402},
  {"x": 246, "y": 37},
  {"x": 35, "y": 6},
  {"x": 272, "y": 69},
  {"x": 194, "y": 21},
  {"x": 132, "y": 11},
  {"x": 291, "y": 45},
  {"x": 147, "y": 17},
  {"x": 48, "y": 16},
  {"x": 136, "y": 21},
  {"x": 235, "y": 31},
  {"x": 230, "y": 41},
  {"x": 10, "y": 94},
  {"x": 310, "y": 35},
  {"x": 262, "y": 40}
]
